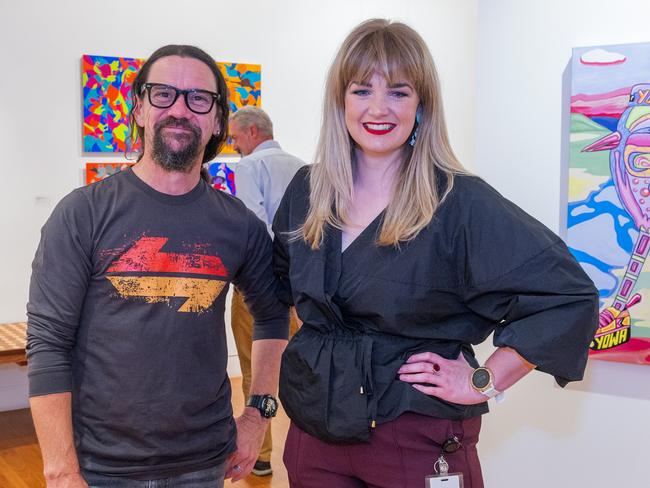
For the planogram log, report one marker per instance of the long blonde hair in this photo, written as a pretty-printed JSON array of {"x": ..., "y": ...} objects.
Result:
[{"x": 394, "y": 50}]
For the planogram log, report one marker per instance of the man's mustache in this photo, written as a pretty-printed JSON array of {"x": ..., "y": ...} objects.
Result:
[{"x": 178, "y": 123}]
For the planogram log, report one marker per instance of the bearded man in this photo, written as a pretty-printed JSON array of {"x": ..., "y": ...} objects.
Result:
[{"x": 126, "y": 339}]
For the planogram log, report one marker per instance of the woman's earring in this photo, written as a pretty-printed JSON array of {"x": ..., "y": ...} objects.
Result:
[{"x": 418, "y": 116}]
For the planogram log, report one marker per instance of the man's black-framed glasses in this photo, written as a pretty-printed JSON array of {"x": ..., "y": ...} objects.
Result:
[{"x": 164, "y": 96}]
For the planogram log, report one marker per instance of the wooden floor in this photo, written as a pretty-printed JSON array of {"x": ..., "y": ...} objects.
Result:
[{"x": 21, "y": 465}]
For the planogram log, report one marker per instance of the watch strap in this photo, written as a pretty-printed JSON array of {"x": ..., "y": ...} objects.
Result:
[
  {"x": 491, "y": 391},
  {"x": 258, "y": 402}
]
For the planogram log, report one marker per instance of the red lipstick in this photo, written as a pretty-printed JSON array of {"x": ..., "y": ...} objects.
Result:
[{"x": 378, "y": 128}]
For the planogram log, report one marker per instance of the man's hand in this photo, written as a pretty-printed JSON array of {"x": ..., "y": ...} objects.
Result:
[
  {"x": 251, "y": 428},
  {"x": 74, "y": 480}
]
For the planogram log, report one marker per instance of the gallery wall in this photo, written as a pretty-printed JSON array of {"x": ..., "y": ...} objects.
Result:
[
  {"x": 40, "y": 116},
  {"x": 593, "y": 434}
]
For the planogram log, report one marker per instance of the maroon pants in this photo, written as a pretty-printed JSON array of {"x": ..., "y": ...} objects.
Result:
[{"x": 399, "y": 455}]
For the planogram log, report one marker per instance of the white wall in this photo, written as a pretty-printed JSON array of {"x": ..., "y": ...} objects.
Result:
[
  {"x": 593, "y": 434},
  {"x": 41, "y": 44}
]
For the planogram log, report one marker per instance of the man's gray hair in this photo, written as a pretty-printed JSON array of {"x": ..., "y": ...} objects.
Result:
[{"x": 248, "y": 116}]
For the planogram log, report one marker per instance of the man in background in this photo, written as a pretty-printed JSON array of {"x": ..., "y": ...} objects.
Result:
[{"x": 261, "y": 177}]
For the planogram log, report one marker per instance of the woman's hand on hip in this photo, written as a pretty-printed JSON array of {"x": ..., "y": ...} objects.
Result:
[{"x": 447, "y": 379}]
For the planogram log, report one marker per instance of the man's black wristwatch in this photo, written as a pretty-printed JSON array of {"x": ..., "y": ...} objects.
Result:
[{"x": 266, "y": 404}]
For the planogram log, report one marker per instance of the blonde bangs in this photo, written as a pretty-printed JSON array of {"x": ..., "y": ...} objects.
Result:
[{"x": 384, "y": 53}]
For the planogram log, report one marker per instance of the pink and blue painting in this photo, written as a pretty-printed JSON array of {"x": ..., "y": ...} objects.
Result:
[
  {"x": 222, "y": 177},
  {"x": 106, "y": 84},
  {"x": 608, "y": 221}
]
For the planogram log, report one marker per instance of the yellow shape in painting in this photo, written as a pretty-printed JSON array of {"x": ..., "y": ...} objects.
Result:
[
  {"x": 581, "y": 183},
  {"x": 121, "y": 132},
  {"x": 617, "y": 318},
  {"x": 200, "y": 293}
]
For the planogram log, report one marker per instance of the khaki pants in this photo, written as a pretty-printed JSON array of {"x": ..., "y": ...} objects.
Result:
[{"x": 242, "y": 329}]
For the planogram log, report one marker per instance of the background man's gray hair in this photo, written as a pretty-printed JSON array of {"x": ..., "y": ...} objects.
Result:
[{"x": 249, "y": 115}]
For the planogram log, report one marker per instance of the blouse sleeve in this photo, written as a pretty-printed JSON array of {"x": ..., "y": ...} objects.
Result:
[
  {"x": 283, "y": 223},
  {"x": 521, "y": 276},
  {"x": 281, "y": 258}
]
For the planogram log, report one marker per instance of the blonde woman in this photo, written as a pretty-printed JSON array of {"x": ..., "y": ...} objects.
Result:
[{"x": 398, "y": 261}]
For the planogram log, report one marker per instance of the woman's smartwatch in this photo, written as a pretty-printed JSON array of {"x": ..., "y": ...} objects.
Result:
[
  {"x": 266, "y": 404},
  {"x": 481, "y": 381}
]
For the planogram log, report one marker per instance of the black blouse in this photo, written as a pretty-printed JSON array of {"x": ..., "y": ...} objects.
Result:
[{"x": 482, "y": 265}]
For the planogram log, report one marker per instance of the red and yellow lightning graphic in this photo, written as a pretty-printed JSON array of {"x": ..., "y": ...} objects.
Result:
[{"x": 145, "y": 256}]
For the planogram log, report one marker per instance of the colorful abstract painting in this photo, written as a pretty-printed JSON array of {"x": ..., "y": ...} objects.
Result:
[
  {"x": 244, "y": 88},
  {"x": 608, "y": 224},
  {"x": 106, "y": 83},
  {"x": 223, "y": 177},
  {"x": 99, "y": 171}
]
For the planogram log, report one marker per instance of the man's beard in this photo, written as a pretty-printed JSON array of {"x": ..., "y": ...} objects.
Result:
[{"x": 183, "y": 158}]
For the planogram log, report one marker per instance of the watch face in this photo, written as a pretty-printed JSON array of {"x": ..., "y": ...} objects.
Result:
[
  {"x": 269, "y": 406},
  {"x": 480, "y": 378}
]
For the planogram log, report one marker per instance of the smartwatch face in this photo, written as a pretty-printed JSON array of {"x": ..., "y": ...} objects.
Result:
[{"x": 480, "y": 378}]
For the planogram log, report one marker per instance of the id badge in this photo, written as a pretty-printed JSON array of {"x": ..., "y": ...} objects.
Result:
[
  {"x": 451, "y": 480},
  {"x": 443, "y": 478}
]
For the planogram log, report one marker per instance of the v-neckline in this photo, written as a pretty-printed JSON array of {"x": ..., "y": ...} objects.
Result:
[{"x": 361, "y": 234}]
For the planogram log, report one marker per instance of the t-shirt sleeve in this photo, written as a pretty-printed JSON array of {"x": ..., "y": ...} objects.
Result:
[
  {"x": 61, "y": 271},
  {"x": 258, "y": 284},
  {"x": 521, "y": 276}
]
